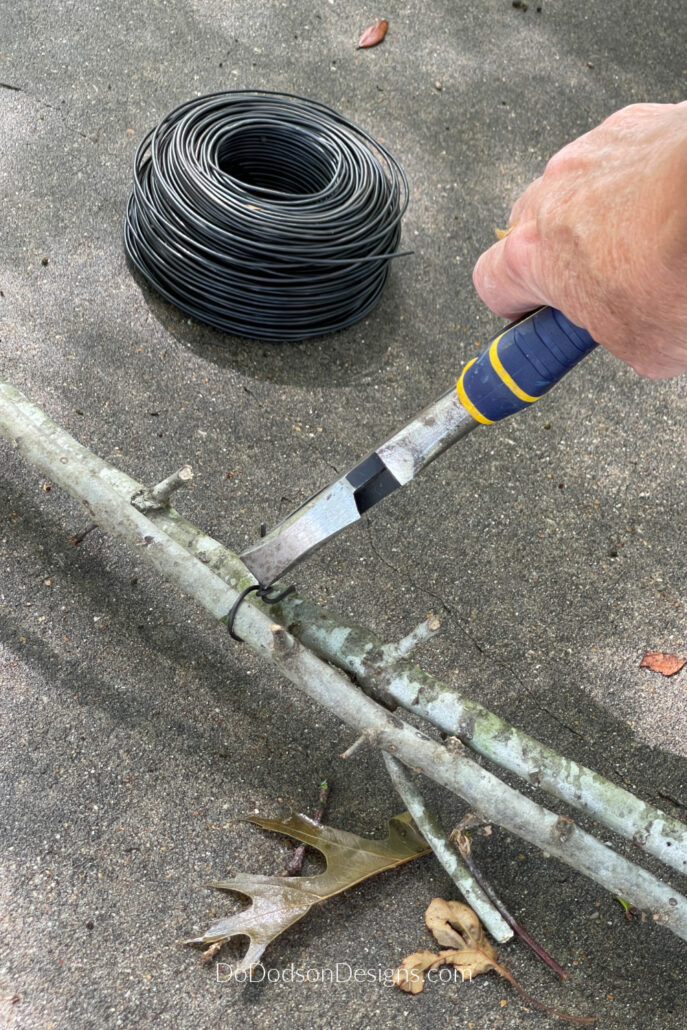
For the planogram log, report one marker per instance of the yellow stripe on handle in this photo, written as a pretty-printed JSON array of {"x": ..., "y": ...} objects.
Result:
[
  {"x": 504, "y": 376},
  {"x": 467, "y": 403}
]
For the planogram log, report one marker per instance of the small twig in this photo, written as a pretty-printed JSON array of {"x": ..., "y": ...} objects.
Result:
[
  {"x": 282, "y": 642},
  {"x": 295, "y": 863},
  {"x": 210, "y": 952},
  {"x": 430, "y": 828},
  {"x": 80, "y": 537},
  {"x": 164, "y": 490},
  {"x": 159, "y": 496},
  {"x": 366, "y": 737},
  {"x": 461, "y": 841},
  {"x": 425, "y": 631}
]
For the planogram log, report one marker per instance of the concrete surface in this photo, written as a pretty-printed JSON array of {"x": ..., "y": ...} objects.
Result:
[{"x": 135, "y": 736}]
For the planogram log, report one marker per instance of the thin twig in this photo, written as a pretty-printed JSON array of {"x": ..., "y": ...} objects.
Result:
[
  {"x": 163, "y": 491},
  {"x": 368, "y": 737},
  {"x": 425, "y": 631},
  {"x": 430, "y": 828},
  {"x": 159, "y": 496},
  {"x": 295, "y": 863},
  {"x": 78, "y": 538},
  {"x": 462, "y": 842}
]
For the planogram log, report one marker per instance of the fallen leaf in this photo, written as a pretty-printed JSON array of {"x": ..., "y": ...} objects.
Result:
[
  {"x": 455, "y": 925},
  {"x": 410, "y": 975},
  {"x": 278, "y": 901},
  {"x": 659, "y": 661},
  {"x": 374, "y": 34},
  {"x": 470, "y": 952}
]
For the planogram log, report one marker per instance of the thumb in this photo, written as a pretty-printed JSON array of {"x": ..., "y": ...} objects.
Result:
[{"x": 503, "y": 274}]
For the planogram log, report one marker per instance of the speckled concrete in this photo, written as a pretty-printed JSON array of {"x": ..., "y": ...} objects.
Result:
[{"x": 134, "y": 735}]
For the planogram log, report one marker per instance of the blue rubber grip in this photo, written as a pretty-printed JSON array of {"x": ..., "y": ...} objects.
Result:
[{"x": 521, "y": 364}]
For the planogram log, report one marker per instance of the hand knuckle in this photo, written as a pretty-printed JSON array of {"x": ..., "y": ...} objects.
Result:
[{"x": 515, "y": 248}]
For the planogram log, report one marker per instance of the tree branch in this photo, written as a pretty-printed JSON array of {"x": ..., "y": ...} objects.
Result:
[
  {"x": 360, "y": 653},
  {"x": 100, "y": 488}
]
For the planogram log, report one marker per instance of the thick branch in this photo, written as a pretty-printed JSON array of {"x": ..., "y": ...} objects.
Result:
[{"x": 89, "y": 479}]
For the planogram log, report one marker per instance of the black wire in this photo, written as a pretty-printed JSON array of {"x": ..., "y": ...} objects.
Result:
[
  {"x": 265, "y": 214},
  {"x": 266, "y": 594}
]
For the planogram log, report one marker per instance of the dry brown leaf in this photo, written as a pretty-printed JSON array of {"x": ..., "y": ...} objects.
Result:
[
  {"x": 467, "y": 948},
  {"x": 279, "y": 901},
  {"x": 659, "y": 661},
  {"x": 470, "y": 952},
  {"x": 374, "y": 34},
  {"x": 454, "y": 925},
  {"x": 410, "y": 975}
]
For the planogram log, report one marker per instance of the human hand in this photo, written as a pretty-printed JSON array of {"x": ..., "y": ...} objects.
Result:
[{"x": 602, "y": 235}]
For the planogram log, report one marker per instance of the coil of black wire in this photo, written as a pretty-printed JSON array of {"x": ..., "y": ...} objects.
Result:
[{"x": 265, "y": 215}]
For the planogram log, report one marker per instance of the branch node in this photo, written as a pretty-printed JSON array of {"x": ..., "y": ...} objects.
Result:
[
  {"x": 159, "y": 496},
  {"x": 425, "y": 631},
  {"x": 282, "y": 642},
  {"x": 366, "y": 737}
]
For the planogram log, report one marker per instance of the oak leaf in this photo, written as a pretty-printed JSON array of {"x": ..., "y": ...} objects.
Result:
[
  {"x": 374, "y": 34},
  {"x": 659, "y": 661},
  {"x": 279, "y": 901}
]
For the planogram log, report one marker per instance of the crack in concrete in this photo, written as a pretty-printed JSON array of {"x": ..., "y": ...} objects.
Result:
[
  {"x": 556, "y": 718},
  {"x": 431, "y": 593},
  {"x": 50, "y": 107},
  {"x": 325, "y": 461},
  {"x": 447, "y": 608},
  {"x": 377, "y": 552},
  {"x": 673, "y": 800}
]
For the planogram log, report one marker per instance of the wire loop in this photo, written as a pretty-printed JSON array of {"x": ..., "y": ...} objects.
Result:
[{"x": 266, "y": 596}]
